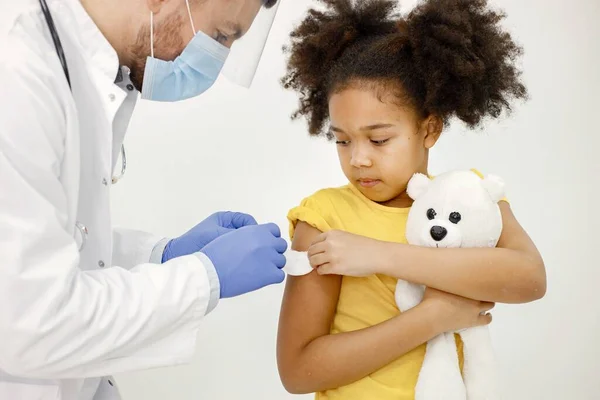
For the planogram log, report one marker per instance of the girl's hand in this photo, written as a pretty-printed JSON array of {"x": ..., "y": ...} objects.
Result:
[
  {"x": 342, "y": 253},
  {"x": 455, "y": 313}
]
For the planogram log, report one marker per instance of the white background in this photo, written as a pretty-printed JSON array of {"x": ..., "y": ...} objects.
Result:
[{"x": 236, "y": 149}]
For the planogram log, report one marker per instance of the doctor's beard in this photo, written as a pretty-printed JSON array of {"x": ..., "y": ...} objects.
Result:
[{"x": 168, "y": 45}]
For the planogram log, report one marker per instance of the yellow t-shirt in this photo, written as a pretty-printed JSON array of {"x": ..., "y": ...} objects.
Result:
[{"x": 365, "y": 302}]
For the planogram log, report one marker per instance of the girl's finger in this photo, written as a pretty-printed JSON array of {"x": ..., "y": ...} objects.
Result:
[
  {"x": 316, "y": 248},
  {"x": 321, "y": 238},
  {"x": 325, "y": 269},
  {"x": 318, "y": 260},
  {"x": 486, "y": 306}
]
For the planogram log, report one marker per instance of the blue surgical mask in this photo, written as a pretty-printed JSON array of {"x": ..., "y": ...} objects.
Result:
[{"x": 190, "y": 74}]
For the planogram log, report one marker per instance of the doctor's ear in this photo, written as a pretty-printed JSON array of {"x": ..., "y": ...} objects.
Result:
[{"x": 155, "y": 6}]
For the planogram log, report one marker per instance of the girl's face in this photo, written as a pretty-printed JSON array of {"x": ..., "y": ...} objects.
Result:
[{"x": 380, "y": 144}]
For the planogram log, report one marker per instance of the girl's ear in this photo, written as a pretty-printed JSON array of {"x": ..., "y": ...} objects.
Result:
[{"x": 433, "y": 126}]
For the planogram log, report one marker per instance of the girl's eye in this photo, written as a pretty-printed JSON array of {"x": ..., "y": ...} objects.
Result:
[
  {"x": 342, "y": 142},
  {"x": 379, "y": 142}
]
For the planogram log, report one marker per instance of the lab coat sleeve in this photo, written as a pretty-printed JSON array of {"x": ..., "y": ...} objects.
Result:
[
  {"x": 132, "y": 247},
  {"x": 58, "y": 321}
]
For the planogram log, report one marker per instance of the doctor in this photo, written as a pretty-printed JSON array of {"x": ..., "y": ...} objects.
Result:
[{"x": 78, "y": 299}]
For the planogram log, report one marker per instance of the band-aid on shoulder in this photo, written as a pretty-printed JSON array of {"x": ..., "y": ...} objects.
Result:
[{"x": 297, "y": 263}]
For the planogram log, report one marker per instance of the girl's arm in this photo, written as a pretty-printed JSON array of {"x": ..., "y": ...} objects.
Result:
[
  {"x": 513, "y": 272},
  {"x": 310, "y": 359}
]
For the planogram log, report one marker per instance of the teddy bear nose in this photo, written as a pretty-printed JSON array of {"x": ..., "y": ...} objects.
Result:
[{"x": 438, "y": 233}]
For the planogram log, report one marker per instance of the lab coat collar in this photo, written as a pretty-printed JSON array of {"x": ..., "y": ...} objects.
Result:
[{"x": 100, "y": 52}]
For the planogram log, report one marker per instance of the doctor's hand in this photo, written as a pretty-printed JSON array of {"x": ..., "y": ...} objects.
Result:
[
  {"x": 248, "y": 259},
  {"x": 205, "y": 232}
]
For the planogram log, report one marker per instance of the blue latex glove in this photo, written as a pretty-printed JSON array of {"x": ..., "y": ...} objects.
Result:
[
  {"x": 248, "y": 259},
  {"x": 205, "y": 232}
]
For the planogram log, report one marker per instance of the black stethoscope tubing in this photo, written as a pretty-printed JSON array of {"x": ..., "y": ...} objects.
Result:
[{"x": 55, "y": 39}]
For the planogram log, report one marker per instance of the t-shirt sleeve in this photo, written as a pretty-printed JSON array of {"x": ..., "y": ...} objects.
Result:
[
  {"x": 478, "y": 173},
  {"x": 311, "y": 211}
]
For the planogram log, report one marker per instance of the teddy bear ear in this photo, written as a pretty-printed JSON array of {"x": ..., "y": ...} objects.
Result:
[
  {"x": 494, "y": 185},
  {"x": 417, "y": 185}
]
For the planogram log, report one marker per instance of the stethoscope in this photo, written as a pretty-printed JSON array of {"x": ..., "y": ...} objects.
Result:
[{"x": 61, "y": 55}]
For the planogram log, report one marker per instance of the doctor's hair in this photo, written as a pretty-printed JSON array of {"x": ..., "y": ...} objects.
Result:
[{"x": 448, "y": 58}]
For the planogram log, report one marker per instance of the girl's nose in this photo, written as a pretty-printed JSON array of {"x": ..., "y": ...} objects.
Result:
[{"x": 360, "y": 158}]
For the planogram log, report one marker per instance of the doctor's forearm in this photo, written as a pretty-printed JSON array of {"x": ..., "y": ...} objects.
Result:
[
  {"x": 486, "y": 274},
  {"x": 339, "y": 359},
  {"x": 132, "y": 247}
]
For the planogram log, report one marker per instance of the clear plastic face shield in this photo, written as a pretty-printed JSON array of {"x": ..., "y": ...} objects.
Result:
[{"x": 246, "y": 52}]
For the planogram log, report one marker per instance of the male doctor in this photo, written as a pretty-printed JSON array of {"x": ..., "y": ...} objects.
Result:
[{"x": 79, "y": 300}]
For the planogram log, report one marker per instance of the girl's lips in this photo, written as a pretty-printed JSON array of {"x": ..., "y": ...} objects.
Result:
[{"x": 368, "y": 183}]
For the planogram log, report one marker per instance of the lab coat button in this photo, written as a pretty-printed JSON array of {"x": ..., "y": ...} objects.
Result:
[
  {"x": 112, "y": 97},
  {"x": 101, "y": 264},
  {"x": 130, "y": 87}
]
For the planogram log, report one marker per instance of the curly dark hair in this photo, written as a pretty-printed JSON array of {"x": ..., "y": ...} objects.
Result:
[{"x": 449, "y": 58}]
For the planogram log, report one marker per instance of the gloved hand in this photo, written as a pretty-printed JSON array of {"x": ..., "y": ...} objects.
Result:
[
  {"x": 248, "y": 259},
  {"x": 205, "y": 232}
]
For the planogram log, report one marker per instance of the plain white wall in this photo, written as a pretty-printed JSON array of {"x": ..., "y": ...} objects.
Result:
[{"x": 237, "y": 149}]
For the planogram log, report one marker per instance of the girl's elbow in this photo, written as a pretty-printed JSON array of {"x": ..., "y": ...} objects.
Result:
[
  {"x": 533, "y": 292},
  {"x": 539, "y": 289},
  {"x": 294, "y": 383},
  {"x": 536, "y": 285},
  {"x": 539, "y": 281},
  {"x": 295, "y": 388},
  {"x": 523, "y": 288},
  {"x": 291, "y": 374}
]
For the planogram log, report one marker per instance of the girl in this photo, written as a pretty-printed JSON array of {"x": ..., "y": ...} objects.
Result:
[{"x": 385, "y": 87}]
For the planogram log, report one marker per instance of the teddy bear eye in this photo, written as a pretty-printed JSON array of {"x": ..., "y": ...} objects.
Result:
[
  {"x": 431, "y": 214},
  {"x": 455, "y": 217}
]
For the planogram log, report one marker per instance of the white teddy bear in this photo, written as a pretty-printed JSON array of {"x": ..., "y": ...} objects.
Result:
[{"x": 456, "y": 209}]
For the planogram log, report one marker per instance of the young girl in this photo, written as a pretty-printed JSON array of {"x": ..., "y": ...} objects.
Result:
[{"x": 385, "y": 87}]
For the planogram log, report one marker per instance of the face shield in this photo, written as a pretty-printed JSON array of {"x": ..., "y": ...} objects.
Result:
[{"x": 244, "y": 57}]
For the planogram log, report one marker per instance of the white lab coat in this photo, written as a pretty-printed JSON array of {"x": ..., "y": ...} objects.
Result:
[{"x": 68, "y": 318}]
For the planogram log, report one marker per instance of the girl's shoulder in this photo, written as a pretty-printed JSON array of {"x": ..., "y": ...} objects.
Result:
[
  {"x": 322, "y": 208},
  {"x": 329, "y": 196}
]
